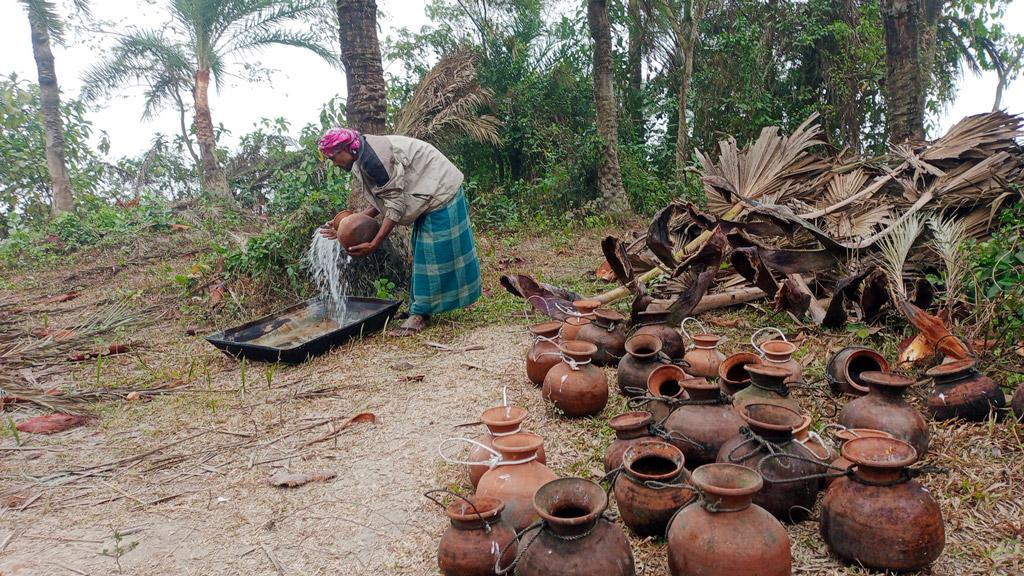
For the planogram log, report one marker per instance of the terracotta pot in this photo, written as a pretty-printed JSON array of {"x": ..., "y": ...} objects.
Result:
[
  {"x": 517, "y": 477},
  {"x": 767, "y": 386},
  {"x": 605, "y": 332},
  {"x": 630, "y": 428},
  {"x": 812, "y": 441},
  {"x": 788, "y": 501},
  {"x": 576, "y": 539},
  {"x": 705, "y": 358},
  {"x": 586, "y": 308},
  {"x": 656, "y": 324},
  {"x": 339, "y": 217},
  {"x": 357, "y": 229},
  {"x": 780, "y": 353},
  {"x": 878, "y": 517},
  {"x": 571, "y": 327},
  {"x": 575, "y": 385},
  {"x": 642, "y": 357},
  {"x": 1018, "y": 401},
  {"x": 646, "y": 510},
  {"x": 543, "y": 355},
  {"x": 884, "y": 408},
  {"x": 844, "y": 436},
  {"x": 961, "y": 391},
  {"x": 845, "y": 367},
  {"x": 710, "y": 423},
  {"x": 477, "y": 534},
  {"x": 500, "y": 421},
  {"x": 732, "y": 372},
  {"x": 665, "y": 382},
  {"x": 724, "y": 533}
]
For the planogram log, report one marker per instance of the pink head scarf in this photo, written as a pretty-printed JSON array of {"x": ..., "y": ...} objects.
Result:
[{"x": 338, "y": 139}]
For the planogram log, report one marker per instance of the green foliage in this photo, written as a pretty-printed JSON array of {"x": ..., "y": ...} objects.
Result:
[
  {"x": 384, "y": 289},
  {"x": 998, "y": 274}
]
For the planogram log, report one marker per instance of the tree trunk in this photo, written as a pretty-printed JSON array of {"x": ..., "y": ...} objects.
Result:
[
  {"x": 613, "y": 195},
  {"x": 689, "y": 35},
  {"x": 215, "y": 182},
  {"x": 364, "y": 74},
  {"x": 53, "y": 123},
  {"x": 904, "y": 81},
  {"x": 634, "y": 68}
]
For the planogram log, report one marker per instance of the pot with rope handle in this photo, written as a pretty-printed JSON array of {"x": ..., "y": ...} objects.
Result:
[
  {"x": 704, "y": 358},
  {"x": 499, "y": 421},
  {"x": 656, "y": 324},
  {"x": 472, "y": 543},
  {"x": 514, "y": 476},
  {"x": 543, "y": 354},
  {"x": 607, "y": 333},
  {"x": 575, "y": 385}
]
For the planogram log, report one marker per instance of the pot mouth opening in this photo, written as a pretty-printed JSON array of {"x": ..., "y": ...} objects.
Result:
[
  {"x": 704, "y": 338},
  {"x": 653, "y": 460},
  {"x": 951, "y": 368},
  {"x": 518, "y": 443},
  {"x": 577, "y": 321},
  {"x": 772, "y": 417},
  {"x": 854, "y": 433},
  {"x": 606, "y": 315},
  {"x": 586, "y": 305},
  {"x": 578, "y": 348},
  {"x": 487, "y": 506},
  {"x": 805, "y": 425},
  {"x": 643, "y": 345},
  {"x": 570, "y": 501},
  {"x": 875, "y": 452},
  {"x": 545, "y": 328},
  {"x": 779, "y": 347},
  {"x": 887, "y": 379},
  {"x": 723, "y": 479},
  {"x": 698, "y": 384},
  {"x": 733, "y": 368},
  {"x": 503, "y": 416},
  {"x": 766, "y": 370},
  {"x": 666, "y": 381},
  {"x": 631, "y": 420},
  {"x": 862, "y": 361}
]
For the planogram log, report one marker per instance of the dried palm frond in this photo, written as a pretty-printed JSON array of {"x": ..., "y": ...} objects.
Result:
[
  {"x": 895, "y": 248},
  {"x": 859, "y": 220},
  {"x": 948, "y": 237},
  {"x": 977, "y": 136},
  {"x": 446, "y": 104}
]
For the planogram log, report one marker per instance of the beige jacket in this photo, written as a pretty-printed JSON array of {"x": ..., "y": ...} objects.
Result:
[{"x": 422, "y": 178}]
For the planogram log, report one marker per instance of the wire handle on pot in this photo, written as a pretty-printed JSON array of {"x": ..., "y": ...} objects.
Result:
[
  {"x": 428, "y": 495},
  {"x": 682, "y": 327},
  {"x": 753, "y": 338},
  {"x": 493, "y": 462}
]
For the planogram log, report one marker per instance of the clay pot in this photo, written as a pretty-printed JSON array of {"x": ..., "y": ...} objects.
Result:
[
  {"x": 517, "y": 477},
  {"x": 961, "y": 391},
  {"x": 812, "y": 441},
  {"x": 543, "y": 355},
  {"x": 723, "y": 532},
  {"x": 571, "y": 327},
  {"x": 878, "y": 517},
  {"x": 788, "y": 501},
  {"x": 586, "y": 308},
  {"x": 642, "y": 357},
  {"x": 705, "y": 358},
  {"x": 471, "y": 545},
  {"x": 339, "y": 217},
  {"x": 1018, "y": 401},
  {"x": 767, "y": 386},
  {"x": 646, "y": 510},
  {"x": 500, "y": 421},
  {"x": 606, "y": 332},
  {"x": 884, "y": 408},
  {"x": 844, "y": 436},
  {"x": 709, "y": 424},
  {"x": 732, "y": 373},
  {"x": 357, "y": 229},
  {"x": 576, "y": 540},
  {"x": 656, "y": 324},
  {"x": 665, "y": 382},
  {"x": 630, "y": 428},
  {"x": 780, "y": 353},
  {"x": 575, "y": 385},
  {"x": 845, "y": 367}
]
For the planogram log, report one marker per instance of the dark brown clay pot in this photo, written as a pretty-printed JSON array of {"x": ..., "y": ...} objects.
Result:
[
  {"x": 665, "y": 382},
  {"x": 767, "y": 386},
  {"x": 357, "y": 229},
  {"x": 500, "y": 421},
  {"x": 642, "y": 357},
  {"x": 575, "y": 386},
  {"x": 575, "y": 540},
  {"x": 656, "y": 324},
  {"x": 571, "y": 327},
  {"x": 517, "y": 477},
  {"x": 630, "y": 428},
  {"x": 1018, "y": 401},
  {"x": 769, "y": 431},
  {"x": 845, "y": 367},
  {"x": 586, "y": 308},
  {"x": 605, "y": 332},
  {"x": 710, "y": 422},
  {"x": 732, "y": 372},
  {"x": 780, "y": 353},
  {"x": 705, "y": 358},
  {"x": 644, "y": 509},
  {"x": 543, "y": 355},
  {"x": 844, "y": 436},
  {"x": 339, "y": 217},
  {"x": 477, "y": 534},
  {"x": 878, "y": 517},
  {"x": 724, "y": 533},
  {"x": 884, "y": 408},
  {"x": 960, "y": 391}
]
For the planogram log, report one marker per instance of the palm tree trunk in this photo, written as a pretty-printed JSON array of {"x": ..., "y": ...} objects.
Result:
[
  {"x": 688, "y": 31},
  {"x": 613, "y": 195},
  {"x": 364, "y": 73},
  {"x": 53, "y": 124},
  {"x": 634, "y": 68},
  {"x": 215, "y": 182},
  {"x": 904, "y": 81}
]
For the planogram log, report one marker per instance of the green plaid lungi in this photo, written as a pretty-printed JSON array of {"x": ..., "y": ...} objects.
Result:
[{"x": 445, "y": 270}]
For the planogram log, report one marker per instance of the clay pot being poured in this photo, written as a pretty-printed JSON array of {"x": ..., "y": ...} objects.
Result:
[
  {"x": 884, "y": 408},
  {"x": 846, "y": 366},
  {"x": 543, "y": 355},
  {"x": 708, "y": 423},
  {"x": 665, "y": 384},
  {"x": 606, "y": 332},
  {"x": 575, "y": 386},
  {"x": 477, "y": 534},
  {"x": 356, "y": 229},
  {"x": 339, "y": 217},
  {"x": 646, "y": 510},
  {"x": 724, "y": 532},
  {"x": 500, "y": 421},
  {"x": 517, "y": 477},
  {"x": 642, "y": 357},
  {"x": 656, "y": 324},
  {"x": 732, "y": 372},
  {"x": 575, "y": 539},
  {"x": 767, "y": 385},
  {"x": 630, "y": 428},
  {"x": 961, "y": 391},
  {"x": 878, "y": 517},
  {"x": 844, "y": 436}
]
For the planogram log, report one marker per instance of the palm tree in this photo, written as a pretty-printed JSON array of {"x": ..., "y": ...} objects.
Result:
[
  {"x": 609, "y": 180},
  {"x": 46, "y": 25},
  {"x": 367, "y": 106},
  {"x": 197, "y": 45}
]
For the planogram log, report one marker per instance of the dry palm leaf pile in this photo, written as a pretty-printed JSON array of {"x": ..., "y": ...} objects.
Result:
[{"x": 824, "y": 235}]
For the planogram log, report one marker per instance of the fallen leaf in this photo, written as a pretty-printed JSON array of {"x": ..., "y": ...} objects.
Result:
[
  {"x": 51, "y": 423},
  {"x": 414, "y": 377},
  {"x": 16, "y": 500},
  {"x": 61, "y": 297},
  {"x": 133, "y": 395},
  {"x": 287, "y": 479},
  {"x": 179, "y": 227},
  {"x": 605, "y": 272}
]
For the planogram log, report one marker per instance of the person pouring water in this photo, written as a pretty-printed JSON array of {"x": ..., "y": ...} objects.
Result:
[{"x": 411, "y": 183}]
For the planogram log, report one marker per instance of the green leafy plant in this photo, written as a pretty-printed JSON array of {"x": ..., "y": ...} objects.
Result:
[{"x": 384, "y": 288}]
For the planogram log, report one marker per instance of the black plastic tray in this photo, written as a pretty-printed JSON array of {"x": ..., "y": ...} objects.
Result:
[{"x": 298, "y": 333}]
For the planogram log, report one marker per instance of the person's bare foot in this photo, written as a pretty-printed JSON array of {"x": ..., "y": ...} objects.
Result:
[{"x": 412, "y": 325}]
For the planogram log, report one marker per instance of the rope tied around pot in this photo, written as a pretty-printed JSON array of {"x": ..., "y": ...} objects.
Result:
[
  {"x": 574, "y": 364},
  {"x": 906, "y": 474},
  {"x": 814, "y": 392},
  {"x": 660, "y": 431},
  {"x": 773, "y": 448},
  {"x": 493, "y": 462},
  {"x": 429, "y": 495},
  {"x": 541, "y": 526}
]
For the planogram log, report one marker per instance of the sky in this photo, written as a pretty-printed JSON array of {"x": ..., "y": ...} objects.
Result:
[{"x": 301, "y": 82}]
